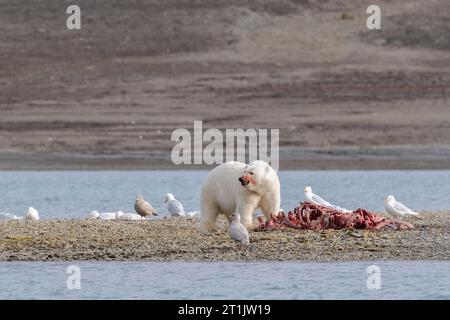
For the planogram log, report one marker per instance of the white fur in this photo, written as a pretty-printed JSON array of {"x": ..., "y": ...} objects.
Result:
[{"x": 223, "y": 193}]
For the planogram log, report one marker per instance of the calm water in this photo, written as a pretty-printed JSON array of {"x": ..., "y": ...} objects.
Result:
[
  {"x": 279, "y": 280},
  {"x": 75, "y": 193}
]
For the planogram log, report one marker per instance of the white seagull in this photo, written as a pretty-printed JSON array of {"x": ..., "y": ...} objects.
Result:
[
  {"x": 9, "y": 216},
  {"x": 129, "y": 216},
  {"x": 102, "y": 215},
  {"x": 107, "y": 215},
  {"x": 119, "y": 214},
  {"x": 174, "y": 206},
  {"x": 32, "y": 214},
  {"x": 93, "y": 215},
  {"x": 192, "y": 214},
  {"x": 395, "y": 208},
  {"x": 314, "y": 198},
  {"x": 238, "y": 231}
]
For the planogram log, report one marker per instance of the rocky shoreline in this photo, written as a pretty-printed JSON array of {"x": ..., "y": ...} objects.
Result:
[{"x": 179, "y": 239}]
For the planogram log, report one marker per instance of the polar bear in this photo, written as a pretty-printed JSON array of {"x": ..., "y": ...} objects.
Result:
[{"x": 238, "y": 187}]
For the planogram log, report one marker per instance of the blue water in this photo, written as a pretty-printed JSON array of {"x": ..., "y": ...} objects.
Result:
[
  {"x": 75, "y": 193},
  {"x": 256, "y": 280}
]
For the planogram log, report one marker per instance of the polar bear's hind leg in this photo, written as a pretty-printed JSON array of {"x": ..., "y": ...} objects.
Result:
[
  {"x": 208, "y": 217},
  {"x": 246, "y": 210}
]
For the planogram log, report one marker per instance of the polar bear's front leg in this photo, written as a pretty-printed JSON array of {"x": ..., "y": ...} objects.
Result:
[{"x": 270, "y": 204}]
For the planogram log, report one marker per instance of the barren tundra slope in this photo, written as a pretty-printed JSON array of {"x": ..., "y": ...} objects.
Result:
[{"x": 110, "y": 95}]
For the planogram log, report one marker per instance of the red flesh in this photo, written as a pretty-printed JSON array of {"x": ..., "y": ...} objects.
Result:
[{"x": 311, "y": 216}]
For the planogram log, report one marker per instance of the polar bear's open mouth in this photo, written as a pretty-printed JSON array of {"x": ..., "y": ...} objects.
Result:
[{"x": 243, "y": 182}]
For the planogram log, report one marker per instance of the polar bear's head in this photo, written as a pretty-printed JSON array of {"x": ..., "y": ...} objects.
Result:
[{"x": 259, "y": 177}]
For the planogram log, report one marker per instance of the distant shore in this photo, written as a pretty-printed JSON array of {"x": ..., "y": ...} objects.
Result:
[
  {"x": 179, "y": 239},
  {"x": 341, "y": 95}
]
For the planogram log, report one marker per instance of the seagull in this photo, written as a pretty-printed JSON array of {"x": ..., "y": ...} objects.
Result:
[
  {"x": 143, "y": 208},
  {"x": 9, "y": 216},
  {"x": 107, "y": 216},
  {"x": 129, "y": 216},
  {"x": 192, "y": 214},
  {"x": 174, "y": 206},
  {"x": 395, "y": 208},
  {"x": 103, "y": 215},
  {"x": 238, "y": 231},
  {"x": 314, "y": 198},
  {"x": 93, "y": 215},
  {"x": 119, "y": 214},
  {"x": 32, "y": 214}
]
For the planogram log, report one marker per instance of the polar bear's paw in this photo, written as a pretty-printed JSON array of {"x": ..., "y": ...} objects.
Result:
[{"x": 206, "y": 228}]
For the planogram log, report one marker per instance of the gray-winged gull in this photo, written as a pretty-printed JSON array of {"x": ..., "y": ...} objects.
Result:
[
  {"x": 174, "y": 206},
  {"x": 238, "y": 231},
  {"x": 314, "y": 198},
  {"x": 395, "y": 208}
]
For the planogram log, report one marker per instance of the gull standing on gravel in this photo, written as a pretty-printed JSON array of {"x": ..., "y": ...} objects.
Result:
[
  {"x": 32, "y": 214},
  {"x": 238, "y": 231},
  {"x": 143, "y": 208},
  {"x": 396, "y": 209},
  {"x": 174, "y": 206}
]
